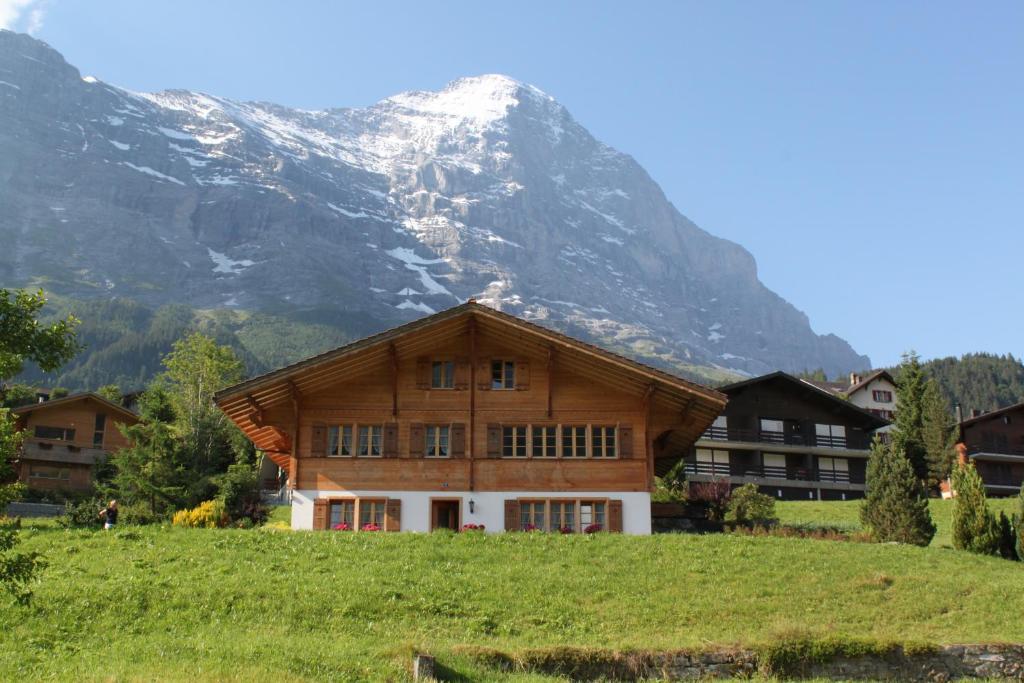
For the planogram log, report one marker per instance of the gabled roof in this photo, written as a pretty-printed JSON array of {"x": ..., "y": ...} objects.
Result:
[
  {"x": 868, "y": 379},
  {"x": 73, "y": 398},
  {"x": 871, "y": 420},
  {"x": 242, "y": 401},
  {"x": 995, "y": 413}
]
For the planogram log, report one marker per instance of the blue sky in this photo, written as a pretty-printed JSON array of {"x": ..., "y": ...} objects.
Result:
[{"x": 870, "y": 155}]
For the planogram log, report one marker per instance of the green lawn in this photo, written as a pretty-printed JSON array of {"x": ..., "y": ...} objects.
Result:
[
  {"x": 176, "y": 604},
  {"x": 846, "y": 514}
]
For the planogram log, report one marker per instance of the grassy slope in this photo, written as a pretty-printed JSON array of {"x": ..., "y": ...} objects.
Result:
[
  {"x": 845, "y": 514},
  {"x": 258, "y": 605}
]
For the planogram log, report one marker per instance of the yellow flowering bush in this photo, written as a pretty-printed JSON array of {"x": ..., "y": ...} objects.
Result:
[{"x": 207, "y": 515}]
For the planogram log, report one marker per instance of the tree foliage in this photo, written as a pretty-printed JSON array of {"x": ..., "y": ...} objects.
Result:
[
  {"x": 24, "y": 338},
  {"x": 975, "y": 528},
  {"x": 979, "y": 380},
  {"x": 111, "y": 392},
  {"x": 1018, "y": 525},
  {"x": 938, "y": 433},
  {"x": 749, "y": 506},
  {"x": 908, "y": 428},
  {"x": 895, "y": 508}
]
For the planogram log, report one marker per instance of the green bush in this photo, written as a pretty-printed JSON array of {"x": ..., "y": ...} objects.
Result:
[
  {"x": 975, "y": 528},
  {"x": 1018, "y": 525},
  {"x": 138, "y": 514},
  {"x": 81, "y": 514},
  {"x": 749, "y": 506}
]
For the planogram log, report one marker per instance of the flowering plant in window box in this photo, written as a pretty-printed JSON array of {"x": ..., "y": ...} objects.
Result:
[
  {"x": 592, "y": 528},
  {"x": 344, "y": 526},
  {"x": 565, "y": 529},
  {"x": 530, "y": 527},
  {"x": 473, "y": 527},
  {"x": 370, "y": 527}
]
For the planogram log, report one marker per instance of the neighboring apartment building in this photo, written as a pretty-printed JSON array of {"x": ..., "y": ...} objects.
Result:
[
  {"x": 792, "y": 439},
  {"x": 994, "y": 442},
  {"x": 875, "y": 393},
  {"x": 472, "y": 416},
  {"x": 66, "y": 437}
]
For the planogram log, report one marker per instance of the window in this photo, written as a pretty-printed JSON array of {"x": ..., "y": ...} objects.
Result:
[
  {"x": 513, "y": 442},
  {"x": 371, "y": 512},
  {"x": 61, "y": 473},
  {"x": 55, "y": 433},
  {"x": 830, "y": 436},
  {"x": 880, "y": 396},
  {"x": 712, "y": 462},
  {"x": 602, "y": 442},
  {"x": 442, "y": 374},
  {"x": 563, "y": 515},
  {"x": 591, "y": 512},
  {"x": 545, "y": 442},
  {"x": 833, "y": 469},
  {"x": 339, "y": 440},
  {"x": 531, "y": 515},
  {"x": 343, "y": 512},
  {"x": 881, "y": 412},
  {"x": 369, "y": 441},
  {"x": 774, "y": 465},
  {"x": 574, "y": 442},
  {"x": 771, "y": 426},
  {"x": 437, "y": 441},
  {"x": 719, "y": 429},
  {"x": 97, "y": 434},
  {"x": 503, "y": 374}
]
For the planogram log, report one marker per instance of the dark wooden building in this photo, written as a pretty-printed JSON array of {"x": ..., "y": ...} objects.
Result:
[
  {"x": 994, "y": 442},
  {"x": 790, "y": 438}
]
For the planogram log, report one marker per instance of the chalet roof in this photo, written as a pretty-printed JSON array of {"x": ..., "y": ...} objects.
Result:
[
  {"x": 868, "y": 379},
  {"x": 994, "y": 413},
  {"x": 248, "y": 397},
  {"x": 74, "y": 398},
  {"x": 870, "y": 420}
]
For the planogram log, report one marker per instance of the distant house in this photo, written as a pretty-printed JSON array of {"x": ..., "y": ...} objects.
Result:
[
  {"x": 792, "y": 439},
  {"x": 66, "y": 437},
  {"x": 875, "y": 393},
  {"x": 472, "y": 416},
  {"x": 994, "y": 442}
]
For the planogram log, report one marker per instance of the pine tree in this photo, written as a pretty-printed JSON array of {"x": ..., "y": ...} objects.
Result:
[
  {"x": 975, "y": 528},
  {"x": 896, "y": 508},
  {"x": 938, "y": 434},
  {"x": 907, "y": 432},
  {"x": 1018, "y": 525}
]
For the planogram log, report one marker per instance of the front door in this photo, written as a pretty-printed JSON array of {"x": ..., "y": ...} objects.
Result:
[{"x": 444, "y": 514}]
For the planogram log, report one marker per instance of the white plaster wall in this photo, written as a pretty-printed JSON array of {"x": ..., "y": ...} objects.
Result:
[
  {"x": 488, "y": 506},
  {"x": 864, "y": 398}
]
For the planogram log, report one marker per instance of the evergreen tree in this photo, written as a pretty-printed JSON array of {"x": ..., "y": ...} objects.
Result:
[
  {"x": 896, "y": 508},
  {"x": 1007, "y": 541},
  {"x": 938, "y": 433},
  {"x": 151, "y": 470},
  {"x": 907, "y": 432},
  {"x": 975, "y": 528},
  {"x": 1018, "y": 525},
  {"x": 111, "y": 392}
]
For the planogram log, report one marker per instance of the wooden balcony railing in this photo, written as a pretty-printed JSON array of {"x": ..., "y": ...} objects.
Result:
[
  {"x": 994, "y": 448},
  {"x": 773, "y": 472},
  {"x": 769, "y": 437}
]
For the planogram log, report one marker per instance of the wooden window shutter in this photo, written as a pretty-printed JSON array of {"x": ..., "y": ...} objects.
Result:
[
  {"x": 461, "y": 374},
  {"x": 417, "y": 440},
  {"x": 458, "y": 440},
  {"x": 483, "y": 375},
  {"x": 522, "y": 375},
  {"x": 511, "y": 514},
  {"x": 615, "y": 516},
  {"x": 422, "y": 373},
  {"x": 393, "y": 515},
  {"x": 390, "y": 440},
  {"x": 318, "y": 440},
  {"x": 493, "y": 441},
  {"x": 625, "y": 441},
  {"x": 320, "y": 507}
]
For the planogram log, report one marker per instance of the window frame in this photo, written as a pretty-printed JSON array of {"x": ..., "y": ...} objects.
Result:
[
  {"x": 63, "y": 473},
  {"x": 372, "y": 504},
  {"x": 575, "y": 505},
  {"x": 99, "y": 430},
  {"x": 446, "y": 378},
  {"x": 339, "y": 430},
  {"x": 506, "y": 374},
  {"x": 375, "y": 436},
  {"x": 434, "y": 450},
  {"x": 67, "y": 433},
  {"x": 549, "y": 446},
  {"x": 602, "y": 442},
  {"x": 573, "y": 447},
  {"x": 516, "y": 435}
]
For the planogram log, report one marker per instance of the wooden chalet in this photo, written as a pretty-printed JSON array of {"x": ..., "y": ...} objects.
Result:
[
  {"x": 471, "y": 416},
  {"x": 994, "y": 442},
  {"x": 66, "y": 437}
]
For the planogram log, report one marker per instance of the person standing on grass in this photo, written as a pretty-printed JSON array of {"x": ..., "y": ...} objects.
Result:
[{"x": 109, "y": 515}]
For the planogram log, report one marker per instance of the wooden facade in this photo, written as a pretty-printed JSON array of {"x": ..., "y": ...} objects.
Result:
[
  {"x": 790, "y": 438},
  {"x": 66, "y": 437},
  {"x": 519, "y": 408},
  {"x": 994, "y": 442}
]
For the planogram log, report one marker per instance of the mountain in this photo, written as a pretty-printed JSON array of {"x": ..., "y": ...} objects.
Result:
[{"x": 488, "y": 189}]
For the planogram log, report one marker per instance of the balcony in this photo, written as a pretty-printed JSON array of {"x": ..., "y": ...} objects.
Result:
[
  {"x": 802, "y": 474},
  {"x": 62, "y": 452},
  {"x": 849, "y": 442},
  {"x": 996, "y": 449}
]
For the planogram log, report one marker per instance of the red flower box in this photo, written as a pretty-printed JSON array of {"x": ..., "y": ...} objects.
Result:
[
  {"x": 592, "y": 529},
  {"x": 370, "y": 527},
  {"x": 342, "y": 527}
]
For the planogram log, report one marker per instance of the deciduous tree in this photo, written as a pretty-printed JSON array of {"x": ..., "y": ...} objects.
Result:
[{"x": 23, "y": 337}]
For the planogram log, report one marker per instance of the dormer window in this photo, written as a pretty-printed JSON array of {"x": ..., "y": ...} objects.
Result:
[
  {"x": 503, "y": 374},
  {"x": 442, "y": 374}
]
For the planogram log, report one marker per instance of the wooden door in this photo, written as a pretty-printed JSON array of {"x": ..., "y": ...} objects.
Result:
[{"x": 444, "y": 514}]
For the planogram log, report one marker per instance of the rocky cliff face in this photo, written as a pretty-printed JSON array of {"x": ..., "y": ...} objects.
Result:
[{"x": 486, "y": 189}]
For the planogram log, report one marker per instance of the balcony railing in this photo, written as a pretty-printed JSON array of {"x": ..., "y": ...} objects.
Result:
[
  {"x": 994, "y": 448},
  {"x": 773, "y": 472},
  {"x": 854, "y": 442}
]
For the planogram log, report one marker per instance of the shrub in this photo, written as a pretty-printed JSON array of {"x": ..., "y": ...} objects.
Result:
[
  {"x": 139, "y": 514},
  {"x": 896, "y": 508},
  {"x": 1018, "y": 525},
  {"x": 1007, "y": 541},
  {"x": 714, "y": 495},
  {"x": 239, "y": 489},
  {"x": 975, "y": 528},
  {"x": 82, "y": 514},
  {"x": 206, "y": 515},
  {"x": 749, "y": 506}
]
